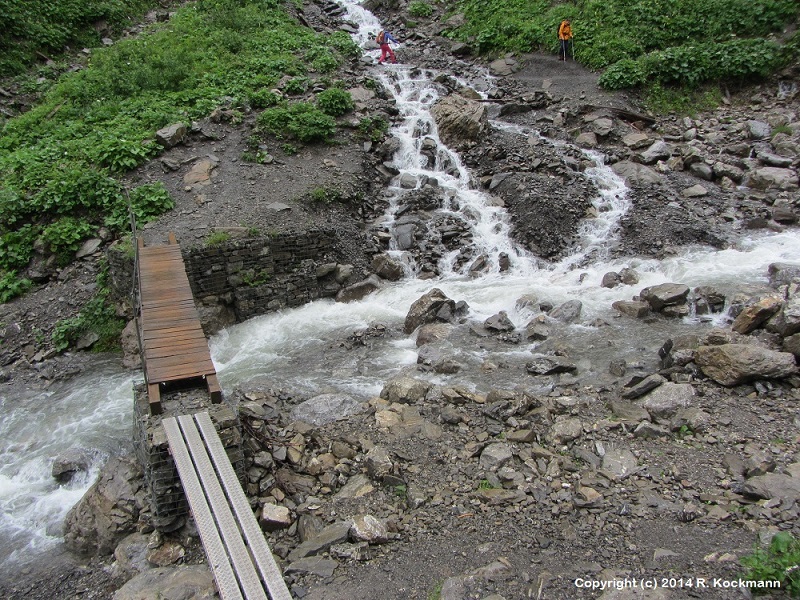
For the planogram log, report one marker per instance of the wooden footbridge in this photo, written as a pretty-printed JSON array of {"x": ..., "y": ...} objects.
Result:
[{"x": 175, "y": 353}]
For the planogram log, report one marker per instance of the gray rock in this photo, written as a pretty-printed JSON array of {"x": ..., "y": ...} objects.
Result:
[
  {"x": 367, "y": 528},
  {"x": 627, "y": 411},
  {"x": 172, "y": 135},
  {"x": 193, "y": 582},
  {"x": 326, "y": 408},
  {"x": 108, "y": 511},
  {"x": 88, "y": 247},
  {"x": 566, "y": 430},
  {"x": 70, "y": 462},
  {"x": 732, "y": 364},
  {"x": 332, "y": 534},
  {"x": 773, "y": 485},
  {"x": 426, "y": 309},
  {"x": 537, "y": 329},
  {"x": 379, "y": 464},
  {"x": 359, "y": 290},
  {"x": 432, "y": 332},
  {"x": 610, "y": 280},
  {"x": 647, "y": 430},
  {"x": 783, "y": 273},
  {"x": 542, "y": 364},
  {"x": 495, "y": 456},
  {"x": 460, "y": 119},
  {"x": 696, "y": 191},
  {"x": 767, "y": 178},
  {"x": 786, "y": 321},
  {"x": 665, "y": 294},
  {"x": 499, "y": 322},
  {"x": 659, "y": 150},
  {"x": 314, "y": 565},
  {"x": 634, "y": 173},
  {"x": 274, "y": 517},
  {"x": 405, "y": 390},
  {"x": 758, "y": 130},
  {"x": 386, "y": 267},
  {"x": 602, "y": 126},
  {"x": 632, "y": 308},
  {"x": 569, "y": 312},
  {"x": 645, "y": 385},
  {"x": 756, "y": 314},
  {"x": 663, "y": 402},
  {"x": 619, "y": 462},
  {"x": 131, "y": 555}
]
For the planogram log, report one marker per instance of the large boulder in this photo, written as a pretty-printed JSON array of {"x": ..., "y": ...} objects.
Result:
[
  {"x": 756, "y": 314},
  {"x": 732, "y": 364},
  {"x": 193, "y": 582},
  {"x": 459, "y": 119},
  {"x": 433, "y": 306},
  {"x": 108, "y": 511},
  {"x": 634, "y": 173},
  {"x": 665, "y": 294},
  {"x": 771, "y": 178},
  {"x": 326, "y": 408}
]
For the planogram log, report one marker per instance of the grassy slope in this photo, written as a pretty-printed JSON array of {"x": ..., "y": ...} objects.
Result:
[{"x": 681, "y": 42}]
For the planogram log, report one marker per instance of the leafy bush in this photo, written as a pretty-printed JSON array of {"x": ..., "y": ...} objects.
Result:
[
  {"x": 12, "y": 286},
  {"x": 297, "y": 86},
  {"x": 373, "y": 128},
  {"x": 691, "y": 65},
  {"x": 16, "y": 247},
  {"x": 64, "y": 237},
  {"x": 98, "y": 316},
  {"x": 420, "y": 9},
  {"x": 780, "y": 561},
  {"x": 301, "y": 120},
  {"x": 625, "y": 73},
  {"x": 335, "y": 102}
]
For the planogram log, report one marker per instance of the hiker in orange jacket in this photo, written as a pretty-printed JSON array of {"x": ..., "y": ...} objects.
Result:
[{"x": 565, "y": 37}]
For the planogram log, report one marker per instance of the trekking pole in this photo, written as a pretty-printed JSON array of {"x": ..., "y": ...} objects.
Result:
[{"x": 572, "y": 44}]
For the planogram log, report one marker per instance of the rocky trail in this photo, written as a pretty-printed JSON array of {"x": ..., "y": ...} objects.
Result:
[{"x": 666, "y": 460}]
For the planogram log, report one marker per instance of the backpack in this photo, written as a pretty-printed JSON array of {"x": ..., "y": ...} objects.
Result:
[{"x": 379, "y": 37}]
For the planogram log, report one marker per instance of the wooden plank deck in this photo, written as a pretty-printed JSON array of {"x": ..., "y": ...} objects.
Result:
[
  {"x": 236, "y": 550},
  {"x": 173, "y": 343}
]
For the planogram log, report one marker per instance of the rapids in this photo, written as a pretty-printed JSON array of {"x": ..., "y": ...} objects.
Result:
[{"x": 302, "y": 350}]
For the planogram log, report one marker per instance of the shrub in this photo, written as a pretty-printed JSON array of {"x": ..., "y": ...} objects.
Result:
[
  {"x": 626, "y": 73},
  {"x": 16, "y": 247},
  {"x": 373, "y": 128},
  {"x": 146, "y": 202},
  {"x": 98, "y": 316},
  {"x": 64, "y": 237},
  {"x": 297, "y": 86},
  {"x": 780, "y": 561},
  {"x": 302, "y": 121},
  {"x": 335, "y": 102},
  {"x": 420, "y": 9},
  {"x": 12, "y": 286}
]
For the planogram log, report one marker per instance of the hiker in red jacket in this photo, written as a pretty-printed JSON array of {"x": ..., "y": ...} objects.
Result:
[{"x": 383, "y": 38}]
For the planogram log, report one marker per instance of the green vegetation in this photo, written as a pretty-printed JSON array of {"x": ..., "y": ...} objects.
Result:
[
  {"x": 373, "y": 128},
  {"x": 335, "y": 102},
  {"x": 253, "y": 278},
  {"x": 217, "y": 238},
  {"x": 643, "y": 42},
  {"x": 29, "y": 30},
  {"x": 98, "y": 317},
  {"x": 436, "y": 592},
  {"x": 780, "y": 561},
  {"x": 485, "y": 484},
  {"x": 60, "y": 161},
  {"x": 420, "y": 9},
  {"x": 11, "y": 286}
]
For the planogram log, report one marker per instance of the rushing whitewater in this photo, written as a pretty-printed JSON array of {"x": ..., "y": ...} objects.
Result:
[{"x": 302, "y": 350}]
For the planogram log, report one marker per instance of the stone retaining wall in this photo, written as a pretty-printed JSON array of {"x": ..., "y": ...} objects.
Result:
[{"x": 249, "y": 276}]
